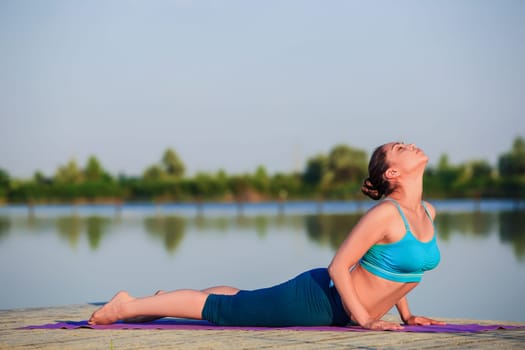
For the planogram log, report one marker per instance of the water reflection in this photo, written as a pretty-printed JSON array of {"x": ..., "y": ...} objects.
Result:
[
  {"x": 509, "y": 224},
  {"x": 5, "y": 224},
  {"x": 512, "y": 231},
  {"x": 326, "y": 230},
  {"x": 476, "y": 224},
  {"x": 259, "y": 224},
  {"x": 330, "y": 230},
  {"x": 71, "y": 228},
  {"x": 96, "y": 226},
  {"x": 169, "y": 229}
]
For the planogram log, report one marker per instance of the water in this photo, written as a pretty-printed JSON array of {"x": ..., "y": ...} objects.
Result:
[{"x": 59, "y": 255}]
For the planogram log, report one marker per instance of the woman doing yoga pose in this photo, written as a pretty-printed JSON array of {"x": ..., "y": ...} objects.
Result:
[{"x": 379, "y": 263}]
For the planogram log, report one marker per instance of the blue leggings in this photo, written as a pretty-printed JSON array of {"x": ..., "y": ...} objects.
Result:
[{"x": 306, "y": 300}]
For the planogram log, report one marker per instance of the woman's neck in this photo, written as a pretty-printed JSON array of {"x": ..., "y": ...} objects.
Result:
[{"x": 409, "y": 194}]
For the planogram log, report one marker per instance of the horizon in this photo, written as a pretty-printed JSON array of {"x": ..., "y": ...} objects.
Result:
[{"x": 82, "y": 163}]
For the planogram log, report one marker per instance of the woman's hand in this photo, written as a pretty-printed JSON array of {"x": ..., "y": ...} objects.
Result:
[
  {"x": 422, "y": 321},
  {"x": 380, "y": 325}
]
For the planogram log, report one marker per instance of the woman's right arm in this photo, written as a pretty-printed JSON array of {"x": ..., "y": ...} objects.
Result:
[{"x": 369, "y": 230}]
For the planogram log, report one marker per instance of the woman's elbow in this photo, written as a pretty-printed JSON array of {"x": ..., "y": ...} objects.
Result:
[
  {"x": 335, "y": 269},
  {"x": 339, "y": 267}
]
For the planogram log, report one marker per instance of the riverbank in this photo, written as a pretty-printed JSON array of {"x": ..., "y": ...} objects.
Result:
[
  {"x": 11, "y": 337},
  {"x": 204, "y": 209}
]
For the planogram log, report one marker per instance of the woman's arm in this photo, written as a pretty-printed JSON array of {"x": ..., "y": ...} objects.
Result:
[
  {"x": 403, "y": 309},
  {"x": 411, "y": 320},
  {"x": 369, "y": 230}
]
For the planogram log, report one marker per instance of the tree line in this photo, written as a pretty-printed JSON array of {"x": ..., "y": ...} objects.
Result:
[{"x": 334, "y": 176}]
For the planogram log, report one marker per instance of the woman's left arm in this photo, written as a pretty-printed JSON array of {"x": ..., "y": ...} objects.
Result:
[
  {"x": 411, "y": 320},
  {"x": 402, "y": 304}
]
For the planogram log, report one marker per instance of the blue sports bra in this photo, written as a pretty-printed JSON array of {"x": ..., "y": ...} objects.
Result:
[{"x": 405, "y": 260}]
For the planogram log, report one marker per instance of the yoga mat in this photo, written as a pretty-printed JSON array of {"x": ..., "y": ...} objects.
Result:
[{"x": 183, "y": 324}]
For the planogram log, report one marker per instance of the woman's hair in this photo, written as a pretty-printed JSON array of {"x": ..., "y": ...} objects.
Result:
[{"x": 375, "y": 185}]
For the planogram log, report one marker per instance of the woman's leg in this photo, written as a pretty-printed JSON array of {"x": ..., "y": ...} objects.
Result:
[
  {"x": 142, "y": 318},
  {"x": 223, "y": 290},
  {"x": 305, "y": 300},
  {"x": 184, "y": 303}
]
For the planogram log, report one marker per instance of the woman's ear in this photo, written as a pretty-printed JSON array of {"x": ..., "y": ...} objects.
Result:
[{"x": 391, "y": 173}]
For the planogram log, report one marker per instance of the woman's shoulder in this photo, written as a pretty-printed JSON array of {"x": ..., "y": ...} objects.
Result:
[
  {"x": 384, "y": 210},
  {"x": 383, "y": 221},
  {"x": 374, "y": 225}
]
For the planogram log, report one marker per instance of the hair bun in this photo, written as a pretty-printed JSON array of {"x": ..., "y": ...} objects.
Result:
[{"x": 370, "y": 190}]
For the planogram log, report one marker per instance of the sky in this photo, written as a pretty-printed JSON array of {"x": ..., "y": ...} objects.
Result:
[{"x": 236, "y": 84}]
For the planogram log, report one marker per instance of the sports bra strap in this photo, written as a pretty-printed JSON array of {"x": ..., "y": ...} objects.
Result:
[
  {"x": 407, "y": 226},
  {"x": 427, "y": 211}
]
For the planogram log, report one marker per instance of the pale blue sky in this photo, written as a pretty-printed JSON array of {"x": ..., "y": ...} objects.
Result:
[{"x": 235, "y": 84}]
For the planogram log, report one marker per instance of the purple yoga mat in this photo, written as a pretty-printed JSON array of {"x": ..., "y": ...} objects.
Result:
[{"x": 182, "y": 324}]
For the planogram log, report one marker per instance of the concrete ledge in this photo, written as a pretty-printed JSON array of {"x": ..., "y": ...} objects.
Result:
[{"x": 13, "y": 338}]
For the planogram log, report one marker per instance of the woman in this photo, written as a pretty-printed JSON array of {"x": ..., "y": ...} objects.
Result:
[{"x": 380, "y": 262}]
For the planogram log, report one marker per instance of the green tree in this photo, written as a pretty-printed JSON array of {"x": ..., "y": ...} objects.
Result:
[
  {"x": 347, "y": 164},
  {"x": 511, "y": 167},
  {"x": 286, "y": 185},
  {"x": 173, "y": 166},
  {"x": 94, "y": 171},
  {"x": 205, "y": 185},
  {"x": 513, "y": 162},
  {"x": 39, "y": 178},
  {"x": 154, "y": 173},
  {"x": 447, "y": 173},
  {"x": 222, "y": 180},
  {"x": 4, "y": 183},
  {"x": 475, "y": 178},
  {"x": 239, "y": 186},
  {"x": 69, "y": 173},
  {"x": 480, "y": 169},
  {"x": 316, "y": 169},
  {"x": 4, "y": 178},
  {"x": 261, "y": 180}
]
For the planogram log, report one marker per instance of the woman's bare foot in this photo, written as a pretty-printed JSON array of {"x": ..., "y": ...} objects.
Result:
[
  {"x": 111, "y": 312},
  {"x": 144, "y": 319}
]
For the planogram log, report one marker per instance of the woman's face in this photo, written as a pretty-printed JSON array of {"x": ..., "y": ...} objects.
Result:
[{"x": 405, "y": 157}]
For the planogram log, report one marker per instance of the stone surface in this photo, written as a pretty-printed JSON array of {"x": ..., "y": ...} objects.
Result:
[{"x": 13, "y": 338}]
